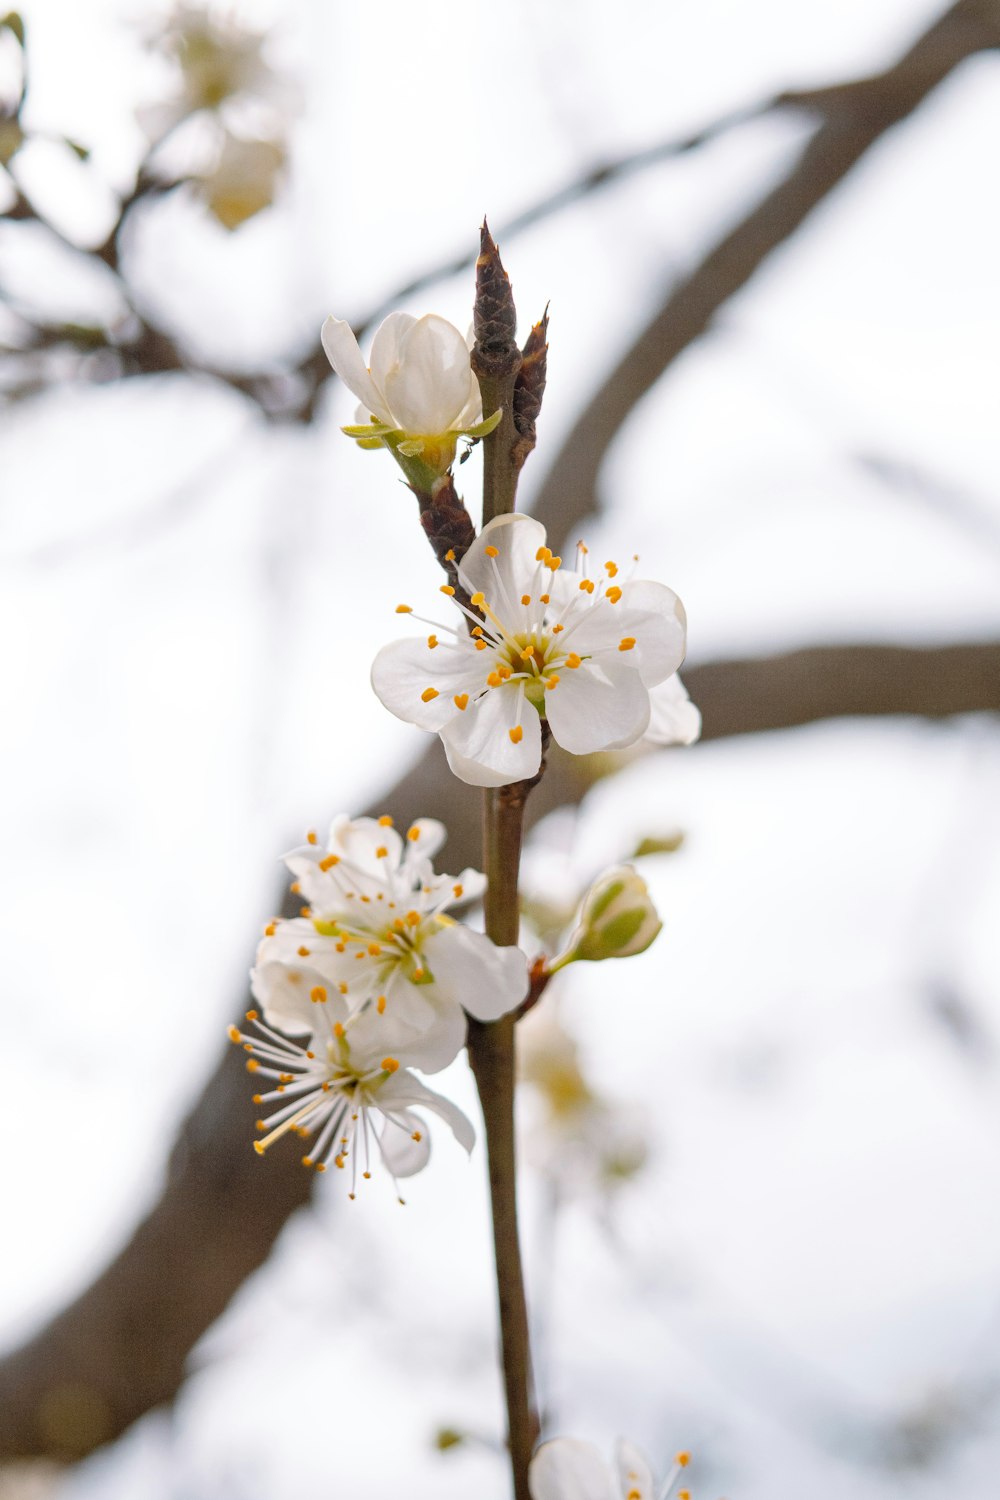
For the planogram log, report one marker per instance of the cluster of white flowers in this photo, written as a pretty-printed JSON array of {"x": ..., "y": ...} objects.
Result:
[
  {"x": 569, "y": 1469},
  {"x": 378, "y": 979}
]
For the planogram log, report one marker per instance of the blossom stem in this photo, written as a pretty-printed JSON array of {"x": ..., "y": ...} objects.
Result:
[{"x": 491, "y": 1054}]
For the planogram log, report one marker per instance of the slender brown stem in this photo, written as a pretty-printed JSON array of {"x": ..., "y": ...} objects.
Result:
[{"x": 491, "y": 1055}]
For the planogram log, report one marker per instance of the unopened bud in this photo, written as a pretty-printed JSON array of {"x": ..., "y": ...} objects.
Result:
[{"x": 617, "y": 919}]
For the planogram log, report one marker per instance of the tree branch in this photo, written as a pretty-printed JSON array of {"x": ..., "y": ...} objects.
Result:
[{"x": 121, "y": 1347}]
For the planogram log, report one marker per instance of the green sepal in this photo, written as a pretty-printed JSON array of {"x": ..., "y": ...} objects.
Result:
[{"x": 14, "y": 23}]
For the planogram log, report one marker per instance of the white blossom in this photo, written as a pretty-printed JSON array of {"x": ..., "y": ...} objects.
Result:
[
  {"x": 243, "y": 180},
  {"x": 219, "y": 62},
  {"x": 569, "y": 1469},
  {"x": 377, "y": 936},
  {"x": 345, "y": 1093},
  {"x": 581, "y": 651},
  {"x": 419, "y": 395}
]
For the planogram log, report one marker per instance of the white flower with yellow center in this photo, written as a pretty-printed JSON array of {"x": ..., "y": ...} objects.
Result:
[
  {"x": 547, "y": 642},
  {"x": 568, "y": 1469},
  {"x": 419, "y": 395},
  {"x": 377, "y": 937},
  {"x": 345, "y": 1094}
]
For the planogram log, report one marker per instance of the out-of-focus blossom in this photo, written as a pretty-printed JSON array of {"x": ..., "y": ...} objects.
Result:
[
  {"x": 218, "y": 61},
  {"x": 585, "y": 1143},
  {"x": 673, "y": 718},
  {"x": 346, "y": 1093},
  {"x": 377, "y": 935},
  {"x": 419, "y": 394},
  {"x": 617, "y": 919},
  {"x": 548, "y": 642},
  {"x": 569, "y": 1469},
  {"x": 243, "y": 180}
]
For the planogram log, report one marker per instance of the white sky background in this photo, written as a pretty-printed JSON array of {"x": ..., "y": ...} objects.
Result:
[{"x": 189, "y": 606}]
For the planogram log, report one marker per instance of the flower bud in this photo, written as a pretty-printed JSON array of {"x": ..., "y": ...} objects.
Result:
[{"x": 617, "y": 919}]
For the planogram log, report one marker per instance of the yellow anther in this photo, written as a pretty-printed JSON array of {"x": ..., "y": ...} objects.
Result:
[
  {"x": 450, "y": 555},
  {"x": 367, "y": 1176},
  {"x": 458, "y": 891},
  {"x": 478, "y": 600},
  {"x": 338, "y": 1161},
  {"x": 413, "y": 834},
  {"x": 343, "y": 987},
  {"x": 257, "y": 1099},
  {"x": 492, "y": 551},
  {"x": 311, "y": 837},
  {"x": 253, "y": 1065},
  {"x": 446, "y": 588},
  {"x": 340, "y": 947},
  {"x": 374, "y": 949},
  {"x": 525, "y": 598},
  {"x": 556, "y": 629},
  {"x": 582, "y": 547},
  {"x": 461, "y": 700},
  {"x": 554, "y": 562},
  {"x": 367, "y": 900},
  {"x": 295, "y": 888},
  {"x": 543, "y": 598},
  {"x": 494, "y": 679},
  {"x": 270, "y": 930},
  {"x": 553, "y": 681},
  {"x": 504, "y": 671},
  {"x": 413, "y": 917},
  {"x": 572, "y": 660},
  {"x": 416, "y": 1136},
  {"x": 328, "y": 861},
  {"x": 381, "y": 852},
  {"x": 286, "y": 1077},
  {"x": 432, "y": 641},
  {"x": 248, "y": 1047},
  {"x": 338, "y": 1029},
  {"x": 260, "y": 1124},
  {"x": 307, "y": 1161},
  {"x": 626, "y": 643},
  {"x": 259, "y": 1147},
  {"x": 419, "y": 974},
  {"x": 480, "y": 645},
  {"x": 543, "y": 554},
  {"x": 380, "y": 1005},
  {"x": 587, "y": 585},
  {"x": 321, "y": 1166},
  {"x": 428, "y": 695},
  {"x": 516, "y": 734},
  {"x": 233, "y": 1034},
  {"x": 305, "y": 911},
  {"x": 681, "y": 1458},
  {"x": 611, "y": 569},
  {"x": 528, "y": 653},
  {"x": 390, "y": 1065},
  {"x": 683, "y": 1495},
  {"x": 404, "y": 609},
  {"x": 634, "y": 1495},
  {"x": 303, "y": 951},
  {"x": 478, "y": 630},
  {"x": 317, "y": 994},
  {"x": 613, "y": 594}
]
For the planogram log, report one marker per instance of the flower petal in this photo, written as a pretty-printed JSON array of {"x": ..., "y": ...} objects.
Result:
[
  {"x": 661, "y": 630},
  {"x": 635, "y": 1477},
  {"x": 344, "y": 355},
  {"x": 404, "y": 1143},
  {"x": 403, "y": 671},
  {"x": 478, "y": 745},
  {"x": 386, "y": 350},
  {"x": 403, "y": 1089},
  {"x": 568, "y": 1469},
  {"x": 673, "y": 718},
  {"x": 468, "y": 968},
  {"x": 360, "y": 839},
  {"x": 517, "y": 539},
  {"x": 602, "y": 705},
  {"x": 428, "y": 387},
  {"x": 284, "y": 993}
]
